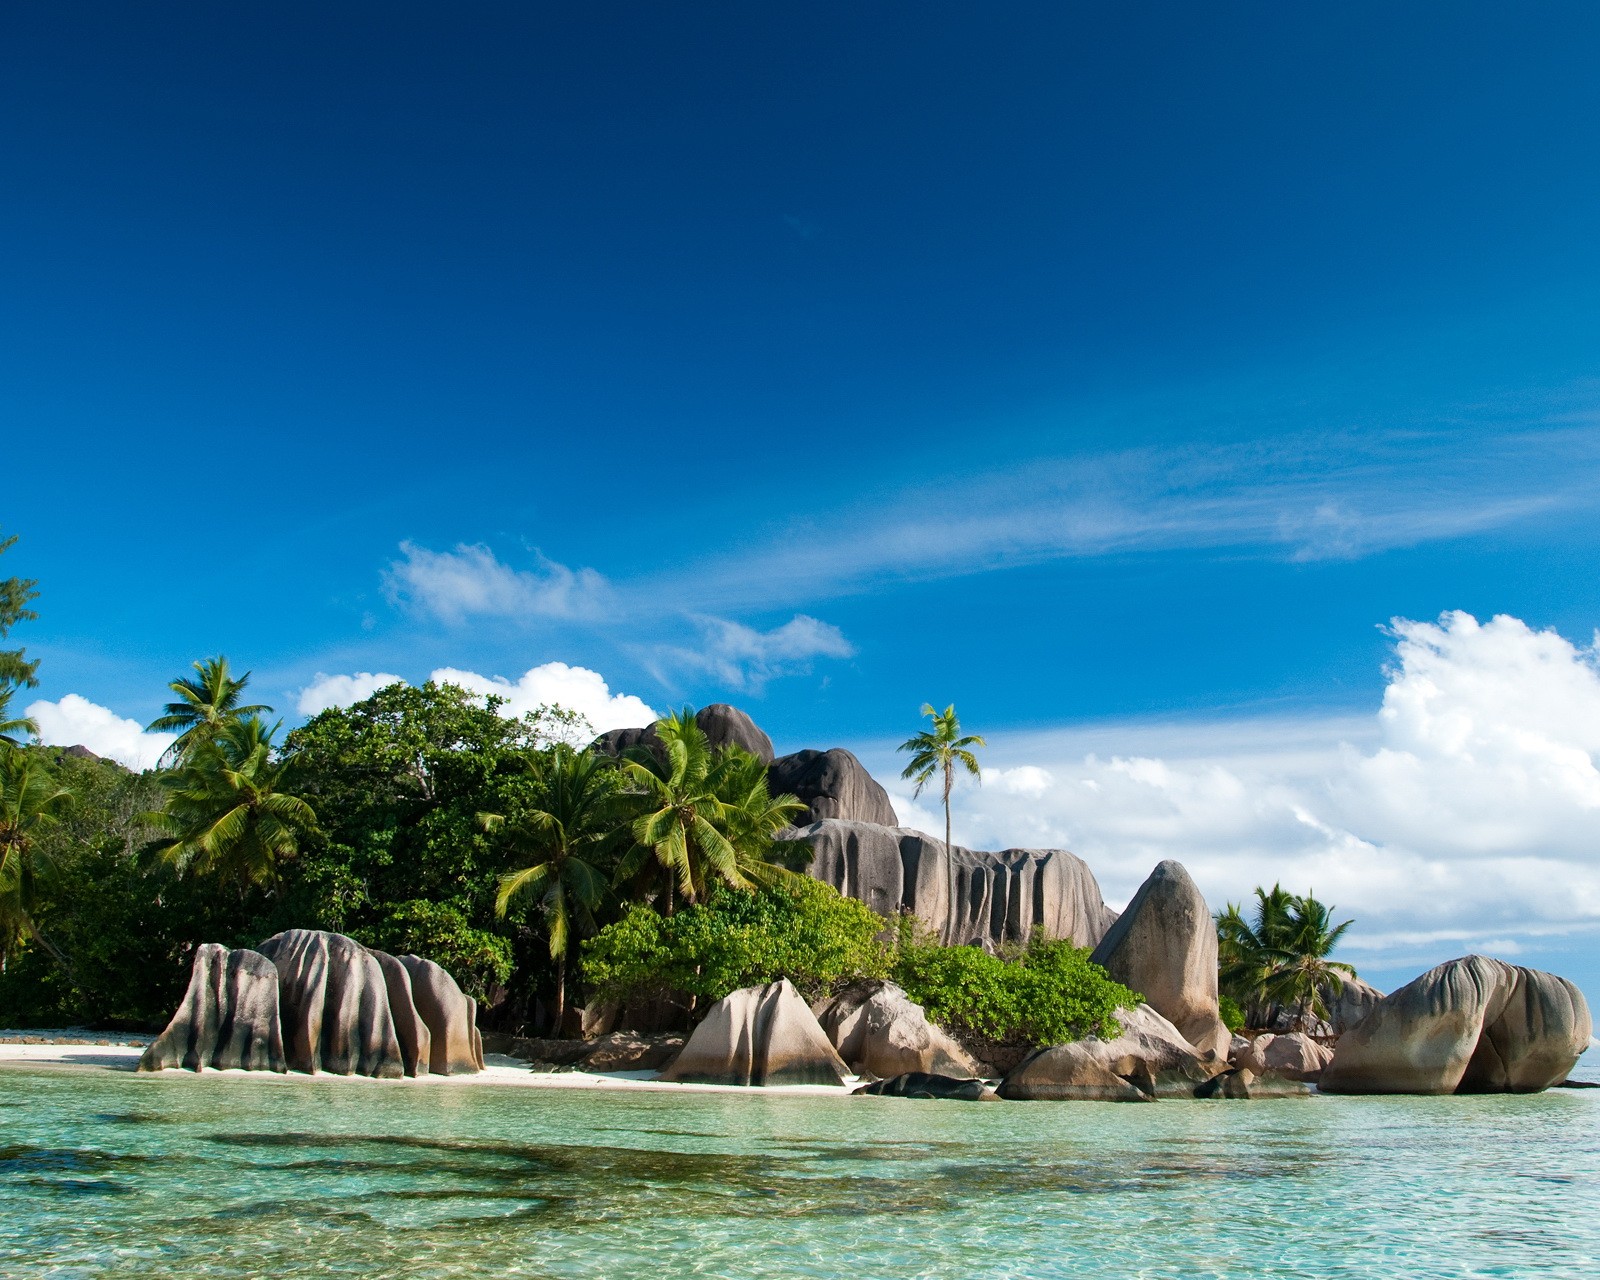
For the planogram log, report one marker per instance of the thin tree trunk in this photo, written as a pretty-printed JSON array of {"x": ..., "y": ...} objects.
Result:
[
  {"x": 947, "y": 781},
  {"x": 561, "y": 994}
]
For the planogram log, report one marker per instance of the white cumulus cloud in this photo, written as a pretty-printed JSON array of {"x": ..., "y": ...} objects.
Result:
[
  {"x": 342, "y": 691},
  {"x": 75, "y": 721},
  {"x": 1464, "y": 814},
  {"x": 471, "y": 581},
  {"x": 556, "y": 684}
]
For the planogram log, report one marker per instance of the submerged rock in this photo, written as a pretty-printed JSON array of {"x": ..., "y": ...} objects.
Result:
[
  {"x": 879, "y": 1031},
  {"x": 1243, "y": 1084},
  {"x": 1150, "y": 1059},
  {"x": 759, "y": 1036},
  {"x": 1472, "y": 1025},
  {"x": 925, "y": 1084},
  {"x": 1164, "y": 946},
  {"x": 229, "y": 1017}
]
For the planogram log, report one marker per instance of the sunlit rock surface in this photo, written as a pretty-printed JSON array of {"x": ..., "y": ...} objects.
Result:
[
  {"x": 228, "y": 1019},
  {"x": 759, "y": 1036}
]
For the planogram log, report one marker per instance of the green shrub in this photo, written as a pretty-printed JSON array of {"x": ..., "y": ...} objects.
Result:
[
  {"x": 477, "y": 959},
  {"x": 802, "y": 930},
  {"x": 1049, "y": 994},
  {"x": 1232, "y": 1014}
]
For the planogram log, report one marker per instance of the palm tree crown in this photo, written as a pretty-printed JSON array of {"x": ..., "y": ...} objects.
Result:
[
  {"x": 30, "y": 801},
  {"x": 11, "y": 725},
  {"x": 206, "y": 701},
  {"x": 937, "y": 751},
  {"x": 1281, "y": 957},
  {"x": 229, "y": 811}
]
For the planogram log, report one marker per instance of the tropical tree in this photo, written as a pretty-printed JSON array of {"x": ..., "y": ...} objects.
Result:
[
  {"x": 10, "y": 723},
  {"x": 230, "y": 812},
  {"x": 30, "y": 801},
  {"x": 575, "y": 818},
  {"x": 206, "y": 702},
  {"x": 15, "y": 670},
  {"x": 707, "y": 819},
  {"x": 938, "y": 751},
  {"x": 1281, "y": 956}
]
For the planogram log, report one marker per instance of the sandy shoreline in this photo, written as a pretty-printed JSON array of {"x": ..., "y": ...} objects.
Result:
[{"x": 499, "y": 1070}]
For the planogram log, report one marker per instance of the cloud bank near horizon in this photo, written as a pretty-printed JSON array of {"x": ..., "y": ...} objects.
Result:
[{"x": 1462, "y": 815}]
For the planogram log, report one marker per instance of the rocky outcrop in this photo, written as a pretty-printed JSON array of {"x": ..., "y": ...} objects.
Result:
[
  {"x": 923, "y": 1084},
  {"x": 1353, "y": 1002},
  {"x": 1293, "y": 1056},
  {"x": 1149, "y": 1059},
  {"x": 228, "y": 1019},
  {"x": 1472, "y": 1025},
  {"x": 879, "y": 1031},
  {"x": 312, "y": 1001},
  {"x": 1243, "y": 1083},
  {"x": 723, "y": 726},
  {"x": 455, "y": 1047},
  {"x": 962, "y": 896},
  {"x": 832, "y": 784},
  {"x": 1164, "y": 946},
  {"x": 759, "y": 1036}
]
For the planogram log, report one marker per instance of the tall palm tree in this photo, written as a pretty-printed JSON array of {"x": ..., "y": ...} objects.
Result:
[
  {"x": 704, "y": 818},
  {"x": 1281, "y": 957},
  {"x": 230, "y": 811},
  {"x": 12, "y": 725},
  {"x": 576, "y": 816},
  {"x": 937, "y": 751},
  {"x": 30, "y": 801},
  {"x": 206, "y": 701}
]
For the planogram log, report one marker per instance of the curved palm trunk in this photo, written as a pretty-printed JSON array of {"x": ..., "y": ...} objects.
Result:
[
  {"x": 561, "y": 995},
  {"x": 949, "y": 778}
]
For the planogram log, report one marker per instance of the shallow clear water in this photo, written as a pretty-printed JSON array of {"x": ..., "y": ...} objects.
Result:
[{"x": 108, "y": 1173}]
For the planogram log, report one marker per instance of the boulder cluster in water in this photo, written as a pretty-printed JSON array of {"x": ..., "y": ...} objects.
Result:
[{"x": 310, "y": 1001}]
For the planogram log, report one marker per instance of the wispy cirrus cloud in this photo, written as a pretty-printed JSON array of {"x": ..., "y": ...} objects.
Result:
[
  {"x": 746, "y": 658},
  {"x": 471, "y": 581}
]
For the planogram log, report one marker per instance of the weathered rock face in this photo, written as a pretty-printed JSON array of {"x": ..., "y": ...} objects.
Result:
[
  {"x": 455, "y": 1047},
  {"x": 723, "y": 726},
  {"x": 228, "y": 1019},
  {"x": 1293, "y": 1056},
  {"x": 759, "y": 1036},
  {"x": 1150, "y": 1059},
  {"x": 923, "y": 1084},
  {"x": 1472, "y": 1025},
  {"x": 1354, "y": 1002},
  {"x": 312, "y": 1001},
  {"x": 833, "y": 784},
  {"x": 964, "y": 897},
  {"x": 879, "y": 1031},
  {"x": 1164, "y": 946},
  {"x": 335, "y": 1005}
]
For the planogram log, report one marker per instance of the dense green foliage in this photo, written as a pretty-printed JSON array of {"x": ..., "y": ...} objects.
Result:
[
  {"x": 800, "y": 929},
  {"x": 1048, "y": 994},
  {"x": 16, "y": 672},
  {"x": 1279, "y": 959},
  {"x": 1231, "y": 1014}
]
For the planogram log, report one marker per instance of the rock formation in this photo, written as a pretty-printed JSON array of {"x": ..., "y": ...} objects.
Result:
[
  {"x": 923, "y": 1084},
  {"x": 759, "y": 1036},
  {"x": 228, "y": 1018},
  {"x": 1472, "y": 1025},
  {"x": 964, "y": 897},
  {"x": 1354, "y": 1001},
  {"x": 1150, "y": 1059},
  {"x": 879, "y": 1031},
  {"x": 1243, "y": 1083},
  {"x": 1164, "y": 946},
  {"x": 1293, "y": 1056},
  {"x": 723, "y": 726},
  {"x": 312, "y": 1001},
  {"x": 833, "y": 784}
]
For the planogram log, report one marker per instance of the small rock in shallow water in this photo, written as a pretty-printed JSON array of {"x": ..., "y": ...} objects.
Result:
[{"x": 927, "y": 1084}]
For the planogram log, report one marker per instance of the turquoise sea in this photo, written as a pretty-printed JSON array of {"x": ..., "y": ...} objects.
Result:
[{"x": 110, "y": 1174}]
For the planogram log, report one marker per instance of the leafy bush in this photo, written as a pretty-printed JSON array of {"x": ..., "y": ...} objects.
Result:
[
  {"x": 1049, "y": 994},
  {"x": 1232, "y": 1014},
  {"x": 477, "y": 959},
  {"x": 802, "y": 930}
]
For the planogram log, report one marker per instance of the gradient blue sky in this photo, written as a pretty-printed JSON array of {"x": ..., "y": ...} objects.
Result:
[{"x": 1081, "y": 365}]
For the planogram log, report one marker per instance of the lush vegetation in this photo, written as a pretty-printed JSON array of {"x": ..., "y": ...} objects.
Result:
[{"x": 1278, "y": 958}]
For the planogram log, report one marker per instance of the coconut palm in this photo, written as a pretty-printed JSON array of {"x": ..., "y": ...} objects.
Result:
[
  {"x": 938, "y": 751},
  {"x": 704, "y": 819},
  {"x": 30, "y": 801},
  {"x": 11, "y": 725},
  {"x": 206, "y": 701},
  {"x": 1281, "y": 957},
  {"x": 575, "y": 818},
  {"x": 230, "y": 812}
]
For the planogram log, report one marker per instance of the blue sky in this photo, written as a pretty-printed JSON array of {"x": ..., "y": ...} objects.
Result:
[{"x": 1093, "y": 367}]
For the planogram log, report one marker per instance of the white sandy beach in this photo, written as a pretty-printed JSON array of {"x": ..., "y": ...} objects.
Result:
[{"x": 498, "y": 1070}]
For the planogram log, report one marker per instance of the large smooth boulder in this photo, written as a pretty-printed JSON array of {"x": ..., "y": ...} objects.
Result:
[
  {"x": 229, "y": 1017},
  {"x": 1353, "y": 1002},
  {"x": 334, "y": 1002},
  {"x": 963, "y": 896},
  {"x": 410, "y": 1030},
  {"x": 1149, "y": 1059},
  {"x": 723, "y": 726},
  {"x": 1472, "y": 1025},
  {"x": 1164, "y": 946},
  {"x": 759, "y": 1036},
  {"x": 879, "y": 1031},
  {"x": 832, "y": 784},
  {"x": 1293, "y": 1056},
  {"x": 924, "y": 1084},
  {"x": 455, "y": 1047}
]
